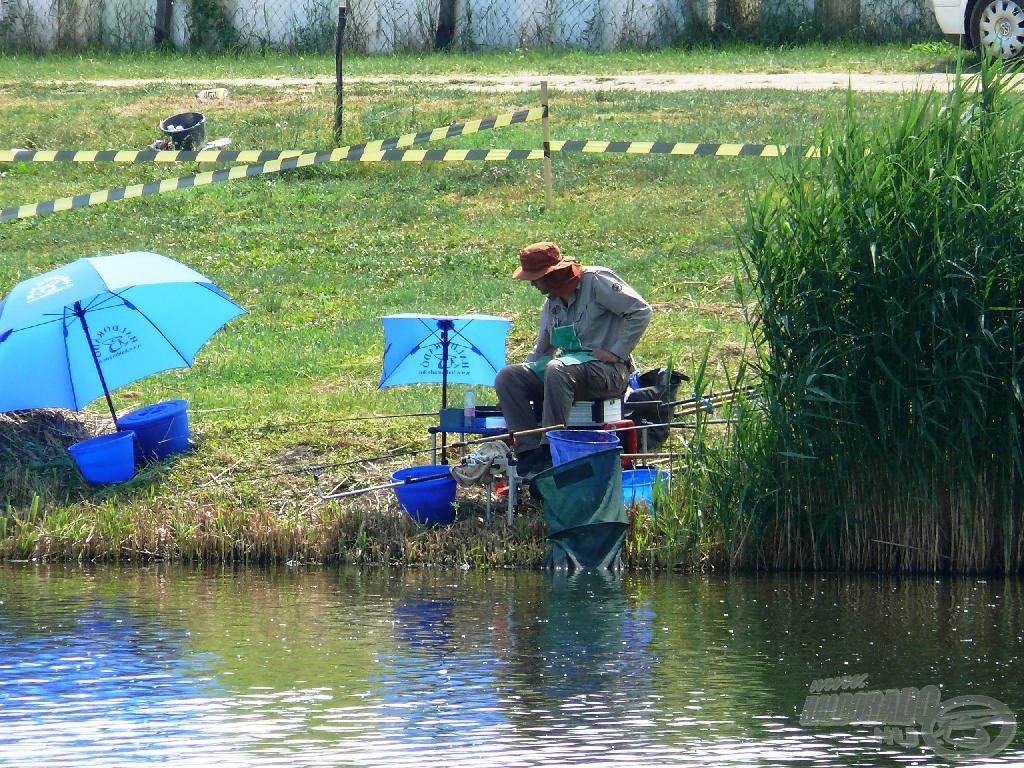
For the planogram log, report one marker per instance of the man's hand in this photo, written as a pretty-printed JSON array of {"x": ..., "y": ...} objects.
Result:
[{"x": 605, "y": 356}]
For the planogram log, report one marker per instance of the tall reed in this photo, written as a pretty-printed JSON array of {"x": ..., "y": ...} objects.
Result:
[{"x": 888, "y": 276}]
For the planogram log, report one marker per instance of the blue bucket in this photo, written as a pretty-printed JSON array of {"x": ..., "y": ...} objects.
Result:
[
  {"x": 161, "y": 428},
  {"x": 107, "y": 458},
  {"x": 570, "y": 444},
  {"x": 429, "y": 502},
  {"x": 638, "y": 485}
]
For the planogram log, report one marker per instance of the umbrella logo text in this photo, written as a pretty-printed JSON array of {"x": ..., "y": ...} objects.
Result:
[
  {"x": 114, "y": 341},
  {"x": 47, "y": 287},
  {"x": 430, "y": 363}
]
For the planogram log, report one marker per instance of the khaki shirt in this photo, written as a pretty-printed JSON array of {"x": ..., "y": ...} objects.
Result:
[{"x": 604, "y": 310}]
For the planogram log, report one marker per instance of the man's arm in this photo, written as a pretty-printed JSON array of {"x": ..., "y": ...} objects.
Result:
[
  {"x": 542, "y": 345},
  {"x": 616, "y": 296}
]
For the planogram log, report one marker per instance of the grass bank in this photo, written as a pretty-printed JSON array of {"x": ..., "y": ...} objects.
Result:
[
  {"x": 317, "y": 255},
  {"x": 932, "y": 56}
]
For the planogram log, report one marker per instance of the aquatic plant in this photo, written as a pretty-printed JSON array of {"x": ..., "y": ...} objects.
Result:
[{"x": 888, "y": 288}]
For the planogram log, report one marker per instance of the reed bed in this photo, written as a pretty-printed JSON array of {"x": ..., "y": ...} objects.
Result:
[{"x": 888, "y": 281}]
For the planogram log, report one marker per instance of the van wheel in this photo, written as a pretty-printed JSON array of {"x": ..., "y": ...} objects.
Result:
[{"x": 997, "y": 28}]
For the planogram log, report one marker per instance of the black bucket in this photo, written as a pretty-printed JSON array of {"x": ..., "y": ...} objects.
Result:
[{"x": 186, "y": 131}]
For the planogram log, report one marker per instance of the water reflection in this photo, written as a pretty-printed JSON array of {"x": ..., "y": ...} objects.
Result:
[
  {"x": 88, "y": 666},
  {"x": 432, "y": 667}
]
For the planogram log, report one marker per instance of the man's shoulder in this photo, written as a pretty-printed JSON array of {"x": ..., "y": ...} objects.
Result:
[
  {"x": 599, "y": 272},
  {"x": 603, "y": 279},
  {"x": 596, "y": 274}
]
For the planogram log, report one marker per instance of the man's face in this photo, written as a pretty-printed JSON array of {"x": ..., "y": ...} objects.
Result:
[{"x": 540, "y": 284}]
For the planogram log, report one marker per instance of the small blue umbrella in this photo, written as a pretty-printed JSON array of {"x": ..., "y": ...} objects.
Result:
[
  {"x": 431, "y": 349},
  {"x": 97, "y": 324},
  {"x": 438, "y": 349}
]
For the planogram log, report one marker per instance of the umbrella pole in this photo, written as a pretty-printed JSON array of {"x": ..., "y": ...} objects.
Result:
[
  {"x": 80, "y": 314},
  {"x": 445, "y": 326}
]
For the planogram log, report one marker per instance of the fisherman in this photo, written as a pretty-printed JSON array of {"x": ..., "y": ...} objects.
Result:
[{"x": 589, "y": 325}]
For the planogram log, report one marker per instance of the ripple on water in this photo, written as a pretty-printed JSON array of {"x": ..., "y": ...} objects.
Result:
[{"x": 329, "y": 668}]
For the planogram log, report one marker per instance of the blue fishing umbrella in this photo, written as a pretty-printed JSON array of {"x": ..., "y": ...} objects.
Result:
[
  {"x": 439, "y": 349},
  {"x": 97, "y": 324}
]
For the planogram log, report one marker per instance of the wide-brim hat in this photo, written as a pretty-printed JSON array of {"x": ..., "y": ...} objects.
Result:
[{"x": 538, "y": 259}]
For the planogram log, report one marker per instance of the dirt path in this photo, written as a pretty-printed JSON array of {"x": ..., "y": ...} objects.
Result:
[{"x": 790, "y": 81}]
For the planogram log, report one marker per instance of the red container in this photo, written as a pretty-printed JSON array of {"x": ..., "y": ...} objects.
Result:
[{"x": 628, "y": 438}]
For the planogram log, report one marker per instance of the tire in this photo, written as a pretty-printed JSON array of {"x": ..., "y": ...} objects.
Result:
[{"x": 997, "y": 28}]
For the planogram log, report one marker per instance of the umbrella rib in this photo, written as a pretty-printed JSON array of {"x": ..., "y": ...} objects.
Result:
[
  {"x": 54, "y": 318},
  {"x": 417, "y": 346},
  {"x": 155, "y": 327},
  {"x": 97, "y": 306},
  {"x": 475, "y": 348}
]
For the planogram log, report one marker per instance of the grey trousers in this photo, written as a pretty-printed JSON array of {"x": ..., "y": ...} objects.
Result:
[{"x": 517, "y": 385}]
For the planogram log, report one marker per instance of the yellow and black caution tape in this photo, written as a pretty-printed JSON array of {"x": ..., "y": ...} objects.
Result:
[
  {"x": 685, "y": 149},
  {"x": 265, "y": 156},
  {"x": 450, "y": 155},
  {"x": 376, "y": 151}
]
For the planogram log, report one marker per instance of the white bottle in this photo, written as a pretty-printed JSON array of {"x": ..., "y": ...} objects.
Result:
[{"x": 469, "y": 407}]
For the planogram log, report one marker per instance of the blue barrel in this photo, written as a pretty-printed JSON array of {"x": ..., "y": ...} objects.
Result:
[
  {"x": 429, "y": 502},
  {"x": 107, "y": 458},
  {"x": 571, "y": 444},
  {"x": 161, "y": 429},
  {"x": 638, "y": 485}
]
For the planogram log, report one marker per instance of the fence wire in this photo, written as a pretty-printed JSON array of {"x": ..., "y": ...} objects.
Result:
[{"x": 382, "y": 26}]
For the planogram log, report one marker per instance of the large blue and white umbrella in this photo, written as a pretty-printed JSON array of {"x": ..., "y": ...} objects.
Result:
[
  {"x": 81, "y": 331},
  {"x": 443, "y": 349}
]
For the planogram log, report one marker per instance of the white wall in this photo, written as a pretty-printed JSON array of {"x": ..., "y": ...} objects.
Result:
[{"x": 384, "y": 26}]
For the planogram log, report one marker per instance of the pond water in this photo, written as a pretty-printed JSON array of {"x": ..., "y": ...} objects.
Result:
[{"x": 339, "y": 667}]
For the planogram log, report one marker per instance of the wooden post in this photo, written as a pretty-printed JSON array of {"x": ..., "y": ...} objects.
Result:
[
  {"x": 546, "y": 134},
  {"x": 338, "y": 54}
]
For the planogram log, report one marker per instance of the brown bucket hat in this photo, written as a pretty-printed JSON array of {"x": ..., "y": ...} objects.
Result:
[{"x": 538, "y": 259}]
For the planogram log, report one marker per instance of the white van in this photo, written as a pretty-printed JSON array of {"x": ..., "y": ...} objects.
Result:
[{"x": 993, "y": 26}]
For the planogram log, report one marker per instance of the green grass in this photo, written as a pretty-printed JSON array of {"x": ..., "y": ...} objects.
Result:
[
  {"x": 932, "y": 56},
  {"x": 317, "y": 255}
]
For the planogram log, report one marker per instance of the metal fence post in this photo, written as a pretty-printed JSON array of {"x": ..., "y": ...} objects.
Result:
[
  {"x": 338, "y": 54},
  {"x": 546, "y": 135}
]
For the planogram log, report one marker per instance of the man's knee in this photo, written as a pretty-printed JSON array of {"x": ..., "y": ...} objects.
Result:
[
  {"x": 504, "y": 378},
  {"x": 559, "y": 377},
  {"x": 557, "y": 370}
]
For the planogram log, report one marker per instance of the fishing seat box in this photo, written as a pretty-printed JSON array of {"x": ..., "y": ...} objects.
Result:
[{"x": 595, "y": 413}]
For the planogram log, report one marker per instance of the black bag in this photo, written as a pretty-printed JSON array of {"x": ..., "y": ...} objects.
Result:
[{"x": 647, "y": 404}]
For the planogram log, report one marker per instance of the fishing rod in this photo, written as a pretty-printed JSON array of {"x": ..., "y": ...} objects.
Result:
[
  {"x": 505, "y": 436},
  {"x": 683, "y": 424},
  {"x": 382, "y": 486},
  {"x": 316, "y": 468},
  {"x": 462, "y": 444},
  {"x": 727, "y": 396},
  {"x": 289, "y": 424}
]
